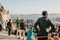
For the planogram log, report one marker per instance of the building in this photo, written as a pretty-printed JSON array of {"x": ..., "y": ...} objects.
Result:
[{"x": 4, "y": 15}]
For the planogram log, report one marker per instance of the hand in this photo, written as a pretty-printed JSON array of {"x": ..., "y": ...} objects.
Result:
[
  {"x": 50, "y": 34},
  {"x": 38, "y": 29},
  {"x": 11, "y": 28},
  {"x": 56, "y": 30}
]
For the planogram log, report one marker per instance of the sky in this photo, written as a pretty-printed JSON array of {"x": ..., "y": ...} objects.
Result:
[{"x": 31, "y": 6}]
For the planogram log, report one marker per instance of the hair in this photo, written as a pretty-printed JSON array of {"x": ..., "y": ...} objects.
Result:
[
  {"x": 44, "y": 13},
  {"x": 22, "y": 19},
  {"x": 9, "y": 19},
  {"x": 30, "y": 27},
  {"x": 26, "y": 25}
]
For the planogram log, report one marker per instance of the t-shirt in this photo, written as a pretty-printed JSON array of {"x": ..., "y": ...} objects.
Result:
[
  {"x": 29, "y": 34},
  {"x": 22, "y": 25},
  {"x": 17, "y": 23},
  {"x": 9, "y": 24}
]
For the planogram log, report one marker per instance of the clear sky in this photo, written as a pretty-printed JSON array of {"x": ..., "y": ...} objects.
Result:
[{"x": 31, "y": 6}]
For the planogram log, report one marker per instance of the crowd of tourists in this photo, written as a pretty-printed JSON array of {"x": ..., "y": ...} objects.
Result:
[{"x": 26, "y": 29}]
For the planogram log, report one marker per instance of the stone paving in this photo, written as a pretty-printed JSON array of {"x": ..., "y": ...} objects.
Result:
[{"x": 4, "y": 36}]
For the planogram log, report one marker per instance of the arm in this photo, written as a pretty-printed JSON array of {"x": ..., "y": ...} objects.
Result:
[
  {"x": 52, "y": 27},
  {"x": 36, "y": 23}
]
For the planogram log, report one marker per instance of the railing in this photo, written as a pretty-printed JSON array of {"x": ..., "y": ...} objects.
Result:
[
  {"x": 41, "y": 37},
  {"x": 49, "y": 38}
]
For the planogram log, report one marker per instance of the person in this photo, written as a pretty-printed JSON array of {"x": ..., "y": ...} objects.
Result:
[
  {"x": 22, "y": 28},
  {"x": 31, "y": 23},
  {"x": 9, "y": 26},
  {"x": 17, "y": 27},
  {"x": 29, "y": 34},
  {"x": 26, "y": 29},
  {"x": 17, "y": 23},
  {"x": 43, "y": 23},
  {"x": 59, "y": 31},
  {"x": 6, "y": 24},
  {"x": 0, "y": 26},
  {"x": 22, "y": 24}
]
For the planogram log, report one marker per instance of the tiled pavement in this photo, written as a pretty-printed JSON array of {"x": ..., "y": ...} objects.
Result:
[{"x": 4, "y": 36}]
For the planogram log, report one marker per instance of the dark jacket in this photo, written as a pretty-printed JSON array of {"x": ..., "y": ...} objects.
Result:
[
  {"x": 22, "y": 25},
  {"x": 0, "y": 27},
  {"x": 9, "y": 24},
  {"x": 44, "y": 23}
]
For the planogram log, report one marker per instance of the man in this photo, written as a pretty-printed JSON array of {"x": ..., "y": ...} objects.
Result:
[
  {"x": 43, "y": 23},
  {"x": 17, "y": 27},
  {"x": 22, "y": 24},
  {"x": 17, "y": 23},
  {"x": 9, "y": 25},
  {"x": 22, "y": 28}
]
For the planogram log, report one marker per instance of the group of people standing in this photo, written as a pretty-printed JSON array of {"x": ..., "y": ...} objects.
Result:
[
  {"x": 22, "y": 29},
  {"x": 19, "y": 25},
  {"x": 42, "y": 23}
]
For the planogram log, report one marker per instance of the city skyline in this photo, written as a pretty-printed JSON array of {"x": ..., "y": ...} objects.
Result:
[{"x": 31, "y": 6}]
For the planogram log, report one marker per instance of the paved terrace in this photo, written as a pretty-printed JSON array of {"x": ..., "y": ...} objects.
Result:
[{"x": 4, "y": 36}]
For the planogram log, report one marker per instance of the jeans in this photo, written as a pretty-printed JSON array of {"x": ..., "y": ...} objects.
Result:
[{"x": 9, "y": 31}]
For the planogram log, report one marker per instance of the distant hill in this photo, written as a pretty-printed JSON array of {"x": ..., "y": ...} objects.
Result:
[{"x": 34, "y": 16}]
